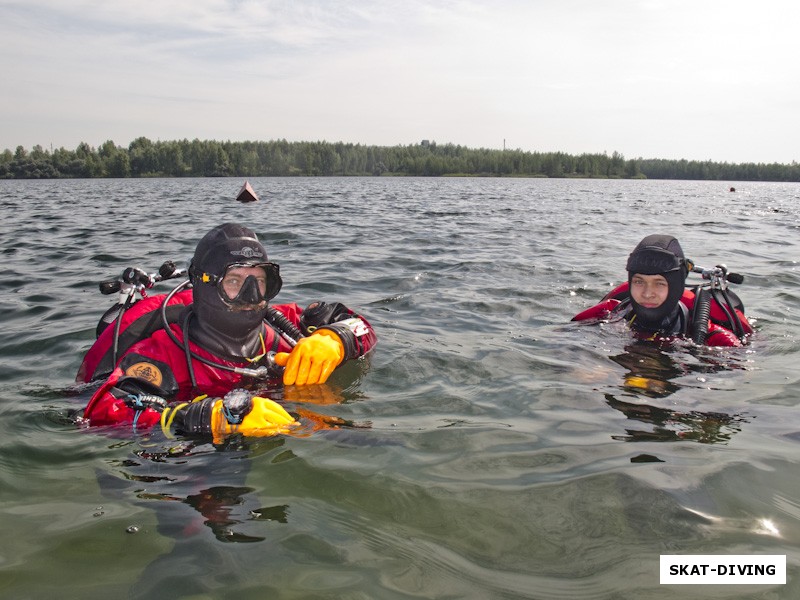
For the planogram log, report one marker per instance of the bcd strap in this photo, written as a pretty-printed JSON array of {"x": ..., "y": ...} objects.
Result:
[{"x": 140, "y": 329}]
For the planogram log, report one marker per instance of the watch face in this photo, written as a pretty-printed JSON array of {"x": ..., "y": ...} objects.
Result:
[{"x": 236, "y": 405}]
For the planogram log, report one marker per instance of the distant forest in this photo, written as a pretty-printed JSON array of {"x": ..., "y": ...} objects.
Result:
[{"x": 205, "y": 158}]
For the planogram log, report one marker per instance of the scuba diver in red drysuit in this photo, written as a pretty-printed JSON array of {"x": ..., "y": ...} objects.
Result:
[
  {"x": 221, "y": 336},
  {"x": 656, "y": 304}
]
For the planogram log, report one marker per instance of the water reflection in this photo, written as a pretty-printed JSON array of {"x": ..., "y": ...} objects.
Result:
[
  {"x": 167, "y": 475},
  {"x": 217, "y": 505},
  {"x": 210, "y": 478},
  {"x": 650, "y": 375},
  {"x": 672, "y": 426}
]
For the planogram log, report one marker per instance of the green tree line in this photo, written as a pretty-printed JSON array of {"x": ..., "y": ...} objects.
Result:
[{"x": 208, "y": 158}]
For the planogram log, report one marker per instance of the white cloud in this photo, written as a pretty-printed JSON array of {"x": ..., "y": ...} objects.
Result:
[{"x": 674, "y": 79}]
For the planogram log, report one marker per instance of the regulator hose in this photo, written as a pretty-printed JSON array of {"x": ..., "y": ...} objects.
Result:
[
  {"x": 290, "y": 332},
  {"x": 702, "y": 311},
  {"x": 258, "y": 373}
]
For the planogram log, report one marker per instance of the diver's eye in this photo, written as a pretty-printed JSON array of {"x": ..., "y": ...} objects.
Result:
[{"x": 232, "y": 284}]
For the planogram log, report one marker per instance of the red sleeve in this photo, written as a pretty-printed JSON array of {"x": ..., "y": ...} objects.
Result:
[
  {"x": 598, "y": 311},
  {"x": 620, "y": 292},
  {"x": 110, "y": 405},
  {"x": 145, "y": 372},
  {"x": 362, "y": 332}
]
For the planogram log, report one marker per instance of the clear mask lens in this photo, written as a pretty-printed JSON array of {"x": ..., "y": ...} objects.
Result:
[{"x": 246, "y": 284}]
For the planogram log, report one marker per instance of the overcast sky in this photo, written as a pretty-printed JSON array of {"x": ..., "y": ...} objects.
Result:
[{"x": 692, "y": 79}]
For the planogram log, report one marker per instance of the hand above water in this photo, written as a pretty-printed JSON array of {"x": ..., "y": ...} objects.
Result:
[{"x": 312, "y": 360}]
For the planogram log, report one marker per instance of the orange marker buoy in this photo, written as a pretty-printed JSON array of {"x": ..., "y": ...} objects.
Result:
[{"x": 247, "y": 194}]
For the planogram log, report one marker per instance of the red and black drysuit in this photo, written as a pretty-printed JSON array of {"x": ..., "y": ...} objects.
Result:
[
  {"x": 616, "y": 306},
  {"x": 156, "y": 367}
]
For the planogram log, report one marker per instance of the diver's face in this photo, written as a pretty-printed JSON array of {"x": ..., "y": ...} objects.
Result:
[
  {"x": 235, "y": 278},
  {"x": 649, "y": 291}
]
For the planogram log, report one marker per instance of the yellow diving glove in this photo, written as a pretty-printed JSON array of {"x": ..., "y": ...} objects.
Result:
[
  {"x": 256, "y": 416},
  {"x": 313, "y": 359}
]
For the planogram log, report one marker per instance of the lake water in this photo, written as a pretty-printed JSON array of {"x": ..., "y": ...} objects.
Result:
[{"x": 509, "y": 452}]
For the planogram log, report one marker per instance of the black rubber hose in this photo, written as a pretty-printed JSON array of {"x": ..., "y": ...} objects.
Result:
[
  {"x": 735, "y": 322},
  {"x": 282, "y": 324},
  {"x": 702, "y": 311}
]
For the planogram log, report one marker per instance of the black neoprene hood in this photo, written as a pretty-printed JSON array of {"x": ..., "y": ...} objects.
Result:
[
  {"x": 659, "y": 255},
  {"x": 225, "y": 245},
  {"x": 219, "y": 322},
  {"x": 656, "y": 255}
]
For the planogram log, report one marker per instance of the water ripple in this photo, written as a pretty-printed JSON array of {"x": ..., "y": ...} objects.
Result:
[{"x": 510, "y": 453}]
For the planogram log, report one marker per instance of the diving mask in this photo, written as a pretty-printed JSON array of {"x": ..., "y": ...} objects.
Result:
[{"x": 246, "y": 285}]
